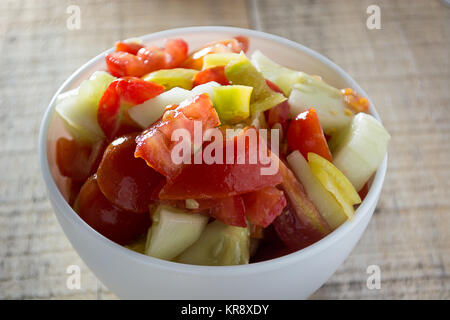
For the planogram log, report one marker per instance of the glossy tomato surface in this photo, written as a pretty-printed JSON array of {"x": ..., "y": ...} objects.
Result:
[
  {"x": 216, "y": 74},
  {"x": 305, "y": 134},
  {"x": 77, "y": 160},
  {"x": 126, "y": 181},
  {"x": 263, "y": 206},
  {"x": 119, "y": 96},
  {"x": 111, "y": 221},
  {"x": 234, "y": 175},
  {"x": 155, "y": 144}
]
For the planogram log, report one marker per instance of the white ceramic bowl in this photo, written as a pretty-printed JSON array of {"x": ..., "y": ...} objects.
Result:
[{"x": 134, "y": 276}]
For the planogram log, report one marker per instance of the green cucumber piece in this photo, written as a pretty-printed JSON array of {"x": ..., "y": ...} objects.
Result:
[
  {"x": 219, "y": 245},
  {"x": 359, "y": 150},
  {"x": 151, "y": 110},
  {"x": 78, "y": 107},
  {"x": 173, "y": 231},
  {"x": 283, "y": 77},
  {"x": 328, "y": 102}
]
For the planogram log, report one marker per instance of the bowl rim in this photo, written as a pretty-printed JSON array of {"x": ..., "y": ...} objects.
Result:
[{"x": 66, "y": 212}]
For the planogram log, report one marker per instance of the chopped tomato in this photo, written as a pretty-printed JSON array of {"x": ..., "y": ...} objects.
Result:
[
  {"x": 243, "y": 42},
  {"x": 278, "y": 114},
  {"x": 364, "y": 191},
  {"x": 264, "y": 205},
  {"x": 120, "y": 95},
  {"x": 155, "y": 145},
  {"x": 147, "y": 59},
  {"x": 74, "y": 188},
  {"x": 273, "y": 86},
  {"x": 236, "y": 45},
  {"x": 216, "y": 74},
  {"x": 230, "y": 210},
  {"x": 271, "y": 246},
  {"x": 77, "y": 160},
  {"x": 130, "y": 47},
  {"x": 176, "y": 52},
  {"x": 300, "y": 224},
  {"x": 295, "y": 233},
  {"x": 306, "y": 135},
  {"x": 219, "y": 180},
  {"x": 122, "y": 64},
  {"x": 112, "y": 222},
  {"x": 124, "y": 180}
]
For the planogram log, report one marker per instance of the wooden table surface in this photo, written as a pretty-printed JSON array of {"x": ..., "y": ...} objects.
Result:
[{"x": 404, "y": 67}]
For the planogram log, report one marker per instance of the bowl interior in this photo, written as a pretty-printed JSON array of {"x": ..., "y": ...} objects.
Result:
[{"x": 283, "y": 51}]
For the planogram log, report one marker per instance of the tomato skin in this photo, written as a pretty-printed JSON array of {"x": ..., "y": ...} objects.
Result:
[
  {"x": 264, "y": 205},
  {"x": 219, "y": 180},
  {"x": 78, "y": 160},
  {"x": 236, "y": 45},
  {"x": 124, "y": 180},
  {"x": 364, "y": 191},
  {"x": 244, "y": 42},
  {"x": 176, "y": 51},
  {"x": 153, "y": 57},
  {"x": 300, "y": 203},
  {"x": 271, "y": 246},
  {"x": 295, "y": 233},
  {"x": 301, "y": 223},
  {"x": 120, "y": 95},
  {"x": 278, "y": 114},
  {"x": 154, "y": 145},
  {"x": 230, "y": 210},
  {"x": 112, "y": 222},
  {"x": 146, "y": 59},
  {"x": 130, "y": 47},
  {"x": 306, "y": 135},
  {"x": 216, "y": 74},
  {"x": 121, "y": 64},
  {"x": 273, "y": 86}
]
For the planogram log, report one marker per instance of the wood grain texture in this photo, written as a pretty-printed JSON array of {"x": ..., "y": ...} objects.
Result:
[{"x": 404, "y": 67}]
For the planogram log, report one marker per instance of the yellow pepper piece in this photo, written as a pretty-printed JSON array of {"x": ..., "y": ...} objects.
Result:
[{"x": 335, "y": 182}]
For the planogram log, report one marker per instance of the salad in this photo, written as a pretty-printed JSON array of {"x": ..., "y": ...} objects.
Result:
[{"x": 215, "y": 156}]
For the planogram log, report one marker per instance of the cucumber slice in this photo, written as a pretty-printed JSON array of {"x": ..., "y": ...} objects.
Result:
[
  {"x": 326, "y": 100},
  {"x": 205, "y": 88},
  {"x": 67, "y": 94},
  {"x": 151, "y": 110},
  {"x": 219, "y": 245},
  {"x": 170, "y": 78},
  {"x": 359, "y": 149},
  {"x": 242, "y": 72},
  {"x": 305, "y": 91},
  {"x": 78, "y": 108},
  {"x": 283, "y": 77},
  {"x": 327, "y": 205},
  {"x": 220, "y": 59},
  {"x": 232, "y": 103},
  {"x": 173, "y": 231}
]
